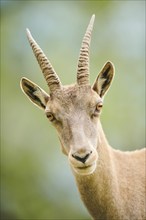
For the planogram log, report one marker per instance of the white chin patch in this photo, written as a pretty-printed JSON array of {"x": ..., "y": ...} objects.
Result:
[{"x": 85, "y": 170}]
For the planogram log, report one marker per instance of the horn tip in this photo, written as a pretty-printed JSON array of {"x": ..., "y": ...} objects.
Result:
[
  {"x": 28, "y": 32},
  {"x": 93, "y": 18}
]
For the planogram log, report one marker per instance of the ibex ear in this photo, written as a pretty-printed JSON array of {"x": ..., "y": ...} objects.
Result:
[
  {"x": 104, "y": 79},
  {"x": 34, "y": 93}
]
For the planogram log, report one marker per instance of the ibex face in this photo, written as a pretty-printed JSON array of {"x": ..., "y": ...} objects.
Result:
[{"x": 73, "y": 110}]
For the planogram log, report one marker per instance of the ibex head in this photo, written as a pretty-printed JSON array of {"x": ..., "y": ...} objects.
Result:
[{"x": 73, "y": 110}]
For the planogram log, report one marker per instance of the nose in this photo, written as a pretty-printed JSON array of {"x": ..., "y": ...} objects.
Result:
[{"x": 83, "y": 157}]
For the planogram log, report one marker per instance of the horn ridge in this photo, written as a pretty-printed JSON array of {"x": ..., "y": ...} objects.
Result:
[
  {"x": 49, "y": 73},
  {"x": 83, "y": 61}
]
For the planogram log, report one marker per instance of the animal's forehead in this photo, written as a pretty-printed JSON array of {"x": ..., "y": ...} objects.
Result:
[
  {"x": 72, "y": 94},
  {"x": 77, "y": 96}
]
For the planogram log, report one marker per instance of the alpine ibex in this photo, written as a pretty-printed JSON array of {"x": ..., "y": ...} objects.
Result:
[{"x": 111, "y": 183}]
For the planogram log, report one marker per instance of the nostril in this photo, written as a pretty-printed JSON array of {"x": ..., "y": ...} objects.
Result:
[{"x": 81, "y": 158}]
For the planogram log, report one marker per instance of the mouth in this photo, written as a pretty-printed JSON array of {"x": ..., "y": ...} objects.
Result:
[
  {"x": 85, "y": 170},
  {"x": 85, "y": 167}
]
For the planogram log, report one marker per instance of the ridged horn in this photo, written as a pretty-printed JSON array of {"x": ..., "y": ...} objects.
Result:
[
  {"x": 83, "y": 62},
  {"x": 49, "y": 73}
]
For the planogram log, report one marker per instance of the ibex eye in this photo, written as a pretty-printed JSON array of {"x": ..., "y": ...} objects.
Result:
[
  {"x": 99, "y": 105},
  {"x": 50, "y": 116},
  {"x": 98, "y": 109}
]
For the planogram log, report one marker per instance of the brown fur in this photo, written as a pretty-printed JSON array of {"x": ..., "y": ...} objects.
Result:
[
  {"x": 111, "y": 183},
  {"x": 116, "y": 190}
]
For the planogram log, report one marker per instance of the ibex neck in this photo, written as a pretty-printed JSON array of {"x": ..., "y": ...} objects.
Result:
[{"x": 96, "y": 189}]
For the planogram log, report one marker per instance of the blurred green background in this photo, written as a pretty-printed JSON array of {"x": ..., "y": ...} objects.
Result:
[{"x": 36, "y": 180}]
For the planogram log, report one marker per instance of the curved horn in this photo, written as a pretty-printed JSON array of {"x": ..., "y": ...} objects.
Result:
[
  {"x": 83, "y": 63},
  {"x": 49, "y": 73}
]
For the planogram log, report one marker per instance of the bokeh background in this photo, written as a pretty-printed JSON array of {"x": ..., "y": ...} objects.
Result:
[{"x": 36, "y": 180}]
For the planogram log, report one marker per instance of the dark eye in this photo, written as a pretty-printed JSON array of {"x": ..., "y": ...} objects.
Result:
[
  {"x": 98, "y": 109},
  {"x": 99, "y": 106},
  {"x": 50, "y": 116}
]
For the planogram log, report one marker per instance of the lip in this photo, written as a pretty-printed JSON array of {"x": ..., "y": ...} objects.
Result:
[
  {"x": 84, "y": 167},
  {"x": 85, "y": 170}
]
